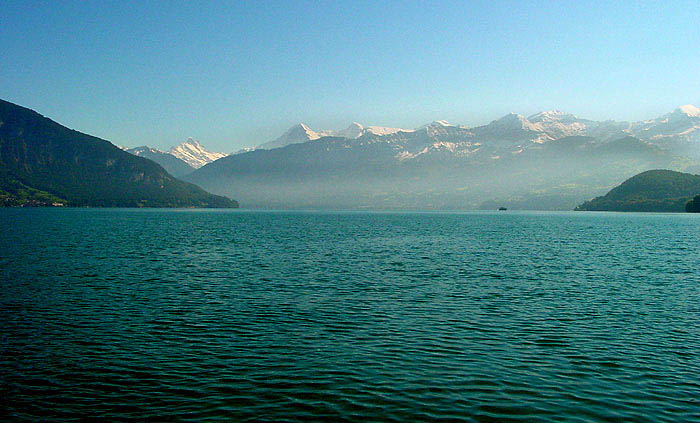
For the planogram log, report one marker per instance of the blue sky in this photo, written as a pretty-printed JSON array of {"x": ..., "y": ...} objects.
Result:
[{"x": 233, "y": 74}]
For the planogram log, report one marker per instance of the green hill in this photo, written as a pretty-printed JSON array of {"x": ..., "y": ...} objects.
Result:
[
  {"x": 650, "y": 191},
  {"x": 42, "y": 162}
]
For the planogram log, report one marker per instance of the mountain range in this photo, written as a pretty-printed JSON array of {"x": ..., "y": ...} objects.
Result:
[
  {"x": 550, "y": 160},
  {"x": 301, "y": 133},
  {"x": 45, "y": 163},
  {"x": 676, "y": 127},
  {"x": 670, "y": 129}
]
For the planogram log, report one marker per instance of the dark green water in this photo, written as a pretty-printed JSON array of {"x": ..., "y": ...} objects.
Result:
[{"x": 216, "y": 315}]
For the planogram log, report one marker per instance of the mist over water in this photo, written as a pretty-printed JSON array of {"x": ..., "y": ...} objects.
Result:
[
  {"x": 442, "y": 168},
  {"x": 297, "y": 316}
]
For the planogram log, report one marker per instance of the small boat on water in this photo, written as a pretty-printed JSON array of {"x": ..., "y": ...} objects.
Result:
[{"x": 502, "y": 208}]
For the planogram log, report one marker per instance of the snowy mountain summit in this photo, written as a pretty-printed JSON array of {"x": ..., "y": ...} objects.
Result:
[
  {"x": 513, "y": 132},
  {"x": 689, "y": 110},
  {"x": 194, "y": 154},
  {"x": 300, "y": 133},
  {"x": 294, "y": 135}
]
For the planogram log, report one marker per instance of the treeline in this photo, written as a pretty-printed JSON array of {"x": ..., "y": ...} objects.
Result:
[{"x": 651, "y": 191}]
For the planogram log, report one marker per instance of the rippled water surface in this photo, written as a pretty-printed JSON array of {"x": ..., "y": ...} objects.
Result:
[{"x": 282, "y": 316}]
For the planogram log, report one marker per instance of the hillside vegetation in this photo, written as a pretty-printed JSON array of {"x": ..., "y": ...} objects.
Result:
[
  {"x": 42, "y": 162},
  {"x": 651, "y": 191}
]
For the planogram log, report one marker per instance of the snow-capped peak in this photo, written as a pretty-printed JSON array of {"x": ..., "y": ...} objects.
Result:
[
  {"x": 355, "y": 130},
  {"x": 436, "y": 124},
  {"x": 303, "y": 129},
  {"x": 302, "y": 126},
  {"x": 296, "y": 134},
  {"x": 301, "y": 133},
  {"x": 138, "y": 151},
  {"x": 511, "y": 120},
  {"x": 194, "y": 154},
  {"x": 689, "y": 110},
  {"x": 549, "y": 116},
  {"x": 383, "y": 130}
]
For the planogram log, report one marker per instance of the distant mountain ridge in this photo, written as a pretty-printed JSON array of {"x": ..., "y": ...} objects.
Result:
[
  {"x": 301, "y": 133},
  {"x": 677, "y": 127},
  {"x": 551, "y": 159},
  {"x": 179, "y": 160},
  {"x": 172, "y": 164},
  {"x": 43, "y": 162},
  {"x": 672, "y": 130}
]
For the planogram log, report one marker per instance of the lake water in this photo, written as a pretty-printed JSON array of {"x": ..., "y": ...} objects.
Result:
[{"x": 297, "y": 316}]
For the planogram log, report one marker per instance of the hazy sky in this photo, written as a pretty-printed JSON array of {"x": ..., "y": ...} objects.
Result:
[{"x": 233, "y": 74}]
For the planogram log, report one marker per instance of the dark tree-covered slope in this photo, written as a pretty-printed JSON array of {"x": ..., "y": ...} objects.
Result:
[
  {"x": 651, "y": 191},
  {"x": 39, "y": 154},
  {"x": 693, "y": 206}
]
